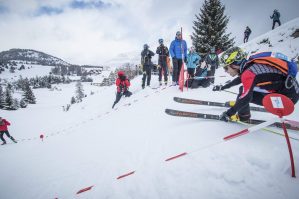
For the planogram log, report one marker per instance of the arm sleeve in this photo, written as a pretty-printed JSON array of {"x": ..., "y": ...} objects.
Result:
[
  {"x": 247, "y": 79},
  {"x": 151, "y": 53},
  {"x": 6, "y": 122},
  {"x": 128, "y": 83},
  {"x": 171, "y": 49},
  {"x": 185, "y": 48},
  {"x": 235, "y": 82},
  {"x": 166, "y": 51},
  {"x": 117, "y": 82},
  {"x": 158, "y": 51}
]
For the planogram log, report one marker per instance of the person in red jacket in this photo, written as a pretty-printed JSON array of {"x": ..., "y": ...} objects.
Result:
[
  {"x": 122, "y": 83},
  {"x": 3, "y": 130}
]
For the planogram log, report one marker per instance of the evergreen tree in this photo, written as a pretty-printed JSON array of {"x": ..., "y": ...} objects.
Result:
[
  {"x": 28, "y": 93},
  {"x": 79, "y": 91},
  {"x": 210, "y": 27},
  {"x": 8, "y": 100},
  {"x": 23, "y": 103},
  {"x": 73, "y": 100},
  {"x": 15, "y": 104},
  {"x": 2, "y": 99}
]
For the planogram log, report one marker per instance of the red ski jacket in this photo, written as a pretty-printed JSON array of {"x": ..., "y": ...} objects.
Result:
[
  {"x": 3, "y": 126},
  {"x": 122, "y": 85}
]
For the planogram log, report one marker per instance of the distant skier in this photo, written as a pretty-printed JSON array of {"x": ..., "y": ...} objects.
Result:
[
  {"x": 122, "y": 84},
  {"x": 177, "y": 49},
  {"x": 259, "y": 77},
  {"x": 147, "y": 65},
  {"x": 4, "y": 130},
  {"x": 247, "y": 33},
  {"x": 275, "y": 16},
  {"x": 212, "y": 62},
  {"x": 193, "y": 60},
  {"x": 163, "y": 53}
]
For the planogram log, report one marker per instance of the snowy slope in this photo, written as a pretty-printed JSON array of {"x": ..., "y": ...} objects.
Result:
[
  {"x": 92, "y": 145},
  {"x": 280, "y": 40},
  {"x": 33, "y": 71}
]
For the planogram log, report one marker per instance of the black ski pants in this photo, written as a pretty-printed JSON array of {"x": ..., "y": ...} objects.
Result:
[
  {"x": 7, "y": 134},
  {"x": 147, "y": 73},
  {"x": 163, "y": 69},
  {"x": 177, "y": 65},
  {"x": 274, "y": 22}
]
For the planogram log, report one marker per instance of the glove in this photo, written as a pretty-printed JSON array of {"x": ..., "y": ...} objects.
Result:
[
  {"x": 224, "y": 117},
  {"x": 217, "y": 88},
  {"x": 173, "y": 57}
]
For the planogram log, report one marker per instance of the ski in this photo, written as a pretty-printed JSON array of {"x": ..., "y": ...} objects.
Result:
[
  {"x": 216, "y": 117},
  {"x": 209, "y": 103}
]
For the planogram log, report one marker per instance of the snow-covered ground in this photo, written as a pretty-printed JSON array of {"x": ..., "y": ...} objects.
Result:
[
  {"x": 30, "y": 71},
  {"x": 92, "y": 145}
]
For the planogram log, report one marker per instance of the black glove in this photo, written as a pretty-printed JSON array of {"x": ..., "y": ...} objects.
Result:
[
  {"x": 185, "y": 60},
  {"x": 224, "y": 117},
  {"x": 217, "y": 88}
]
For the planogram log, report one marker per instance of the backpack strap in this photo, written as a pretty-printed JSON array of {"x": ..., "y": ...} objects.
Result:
[{"x": 272, "y": 61}]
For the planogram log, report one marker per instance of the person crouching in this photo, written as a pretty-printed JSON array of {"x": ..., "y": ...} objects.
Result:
[{"x": 122, "y": 83}]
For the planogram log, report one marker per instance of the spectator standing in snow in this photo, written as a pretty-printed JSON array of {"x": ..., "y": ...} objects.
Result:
[
  {"x": 193, "y": 60},
  {"x": 122, "y": 85},
  {"x": 212, "y": 62},
  {"x": 4, "y": 130},
  {"x": 147, "y": 65},
  {"x": 275, "y": 16},
  {"x": 177, "y": 49},
  {"x": 247, "y": 33},
  {"x": 163, "y": 53}
]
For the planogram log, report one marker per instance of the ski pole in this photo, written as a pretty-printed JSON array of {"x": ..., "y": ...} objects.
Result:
[
  {"x": 230, "y": 92},
  {"x": 268, "y": 130}
]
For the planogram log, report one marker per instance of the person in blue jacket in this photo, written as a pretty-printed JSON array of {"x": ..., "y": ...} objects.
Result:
[
  {"x": 193, "y": 60},
  {"x": 275, "y": 16},
  {"x": 178, "y": 52}
]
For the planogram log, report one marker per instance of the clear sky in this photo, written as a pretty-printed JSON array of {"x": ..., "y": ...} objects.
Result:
[{"x": 95, "y": 31}]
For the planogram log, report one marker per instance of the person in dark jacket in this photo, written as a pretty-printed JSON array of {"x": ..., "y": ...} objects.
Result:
[
  {"x": 212, "y": 62},
  {"x": 4, "y": 130},
  {"x": 147, "y": 65},
  {"x": 178, "y": 52},
  {"x": 257, "y": 79},
  {"x": 276, "y": 18},
  {"x": 122, "y": 86},
  {"x": 247, "y": 33},
  {"x": 163, "y": 53}
]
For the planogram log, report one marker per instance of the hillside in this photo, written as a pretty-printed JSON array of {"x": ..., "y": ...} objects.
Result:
[
  {"x": 93, "y": 145},
  {"x": 32, "y": 57}
]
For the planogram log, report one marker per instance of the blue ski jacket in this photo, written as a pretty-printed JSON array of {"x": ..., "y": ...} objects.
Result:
[
  {"x": 193, "y": 60},
  {"x": 175, "y": 48}
]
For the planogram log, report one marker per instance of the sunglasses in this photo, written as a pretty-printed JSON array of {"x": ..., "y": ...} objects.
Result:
[{"x": 225, "y": 68}]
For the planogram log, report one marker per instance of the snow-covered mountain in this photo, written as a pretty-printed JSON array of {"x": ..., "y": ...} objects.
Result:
[
  {"x": 91, "y": 145},
  {"x": 32, "y": 57}
]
